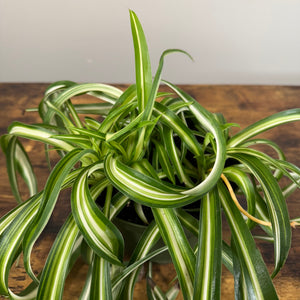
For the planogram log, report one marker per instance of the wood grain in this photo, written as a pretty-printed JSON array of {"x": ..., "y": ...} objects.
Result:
[{"x": 239, "y": 104}]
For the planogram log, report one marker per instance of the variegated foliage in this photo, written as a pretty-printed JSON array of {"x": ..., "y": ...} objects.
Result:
[{"x": 167, "y": 155}]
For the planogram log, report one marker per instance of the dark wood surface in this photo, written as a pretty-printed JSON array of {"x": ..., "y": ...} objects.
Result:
[{"x": 239, "y": 104}]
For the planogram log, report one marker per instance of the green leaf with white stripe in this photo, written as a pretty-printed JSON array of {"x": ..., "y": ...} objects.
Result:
[
  {"x": 272, "y": 121},
  {"x": 52, "y": 189},
  {"x": 208, "y": 267},
  {"x": 208, "y": 121},
  {"x": 156, "y": 82},
  {"x": 142, "y": 188},
  {"x": 280, "y": 166},
  {"x": 37, "y": 133},
  {"x": 100, "y": 283},
  {"x": 148, "y": 239},
  {"x": 241, "y": 288},
  {"x": 118, "y": 279},
  {"x": 242, "y": 180},
  {"x": 12, "y": 236},
  {"x": 277, "y": 207},
  {"x": 255, "y": 271},
  {"x": 120, "y": 133},
  {"x": 183, "y": 177},
  {"x": 79, "y": 89},
  {"x": 142, "y": 62},
  {"x": 57, "y": 265},
  {"x": 81, "y": 141},
  {"x": 270, "y": 144},
  {"x": 192, "y": 224},
  {"x": 52, "y": 91},
  {"x": 171, "y": 120},
  {"x": 17, "y": 161},
  {"x": 179, "y": 248},
  {"x": 11, "y": 215},
  {"x": 115, "y": 115},
  {"x": 101, "y": 109},
  {"x": 66, "y": 121},
  {"x": 227, "y": 257},
  {"x": 99, "y": 232},
  {"x": 165, "y": 163}
]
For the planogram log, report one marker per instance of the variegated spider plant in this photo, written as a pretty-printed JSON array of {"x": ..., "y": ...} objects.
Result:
[{"x": 156, "y": 151}]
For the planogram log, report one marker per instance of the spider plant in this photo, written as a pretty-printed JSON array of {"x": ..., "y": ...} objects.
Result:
[{"x": 175, "y": 163}]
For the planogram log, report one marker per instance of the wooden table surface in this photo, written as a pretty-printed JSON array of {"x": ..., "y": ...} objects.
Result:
[{"x": 239, "y": 104}]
